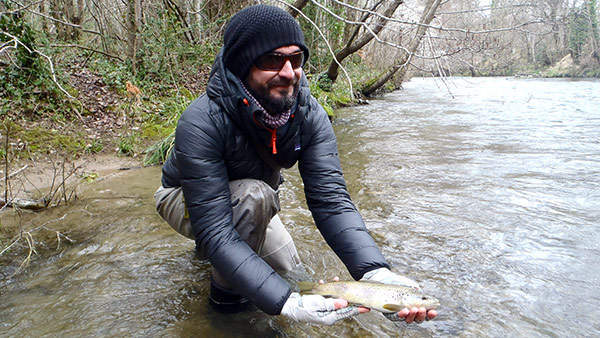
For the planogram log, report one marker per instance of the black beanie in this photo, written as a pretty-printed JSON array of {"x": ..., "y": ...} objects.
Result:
[{"x": 257, "y": 30}]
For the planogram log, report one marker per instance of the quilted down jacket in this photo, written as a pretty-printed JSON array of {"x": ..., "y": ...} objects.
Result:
[{"x": 213, "y": 146}]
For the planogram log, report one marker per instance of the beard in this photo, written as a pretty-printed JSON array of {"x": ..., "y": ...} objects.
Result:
[{"x": 274, "y": 105}]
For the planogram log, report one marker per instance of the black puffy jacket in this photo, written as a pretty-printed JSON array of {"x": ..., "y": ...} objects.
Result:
[{"x": 212, "y": 148}]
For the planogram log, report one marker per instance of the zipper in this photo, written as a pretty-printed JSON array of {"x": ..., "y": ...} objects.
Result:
[
  {"x": 273, "y": 134},
  {"x": 274, "y": 140}
]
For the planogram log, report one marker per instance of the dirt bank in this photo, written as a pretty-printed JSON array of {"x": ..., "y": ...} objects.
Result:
[{"x": 33, "y": 179}]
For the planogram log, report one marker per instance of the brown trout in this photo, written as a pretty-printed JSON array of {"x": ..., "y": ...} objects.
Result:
[{"x": 381, "y": 297}]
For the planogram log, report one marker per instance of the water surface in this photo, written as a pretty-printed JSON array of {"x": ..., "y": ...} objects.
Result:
[{"x": 485, "y": 190}]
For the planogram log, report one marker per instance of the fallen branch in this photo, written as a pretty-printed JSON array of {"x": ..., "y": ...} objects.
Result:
[
  {"x": 26, "y": 203},
  {"x": 31, "y": 245},
  {"x": 30, "y": 240},
  {"x": 13, "y": 174}
]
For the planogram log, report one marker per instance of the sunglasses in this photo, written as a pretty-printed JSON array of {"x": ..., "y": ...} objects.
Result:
[{"x": 276, "y": 61}]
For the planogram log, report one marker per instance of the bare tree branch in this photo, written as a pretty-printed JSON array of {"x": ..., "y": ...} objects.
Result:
[
  {"x": 14, "y": 173},
  {"x": 58, "y": 20},
  {"x": 440, "y": 28},
  {"x": 296, "y": 7},
  {"x": 16, "y": 42},
  {"x": 90, "y": 49},
  {"x": 23, "y": 7},
  {"x": 426, "y": 17},
  {"x": 484, "y": 9},
  {"x": 353, "y": 46},
  {"x": 326, "y": 42}
]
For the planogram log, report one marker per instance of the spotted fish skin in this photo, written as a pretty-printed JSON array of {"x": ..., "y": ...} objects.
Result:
[{"x": 385, "y": 298}]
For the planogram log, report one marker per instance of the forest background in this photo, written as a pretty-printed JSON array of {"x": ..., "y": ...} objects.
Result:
[{"x": 82, "y": 78}]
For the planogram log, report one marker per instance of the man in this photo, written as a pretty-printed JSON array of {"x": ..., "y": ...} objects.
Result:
[{"x": 219, "y": 185}]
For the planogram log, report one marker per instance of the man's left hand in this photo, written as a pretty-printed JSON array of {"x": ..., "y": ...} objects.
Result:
[{"x": 385, "y": 276}]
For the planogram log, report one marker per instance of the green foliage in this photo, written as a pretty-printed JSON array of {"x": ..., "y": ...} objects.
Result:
[
  {"x": 592, "y": 9},
  {"x": 333, "y": 28},
  {"x": 324, "y": 82},
  {"x": 26, "y": 85},
  {"x": 162, "y": 125},
  {"x": 127, "y": 145},
  {"x": 28, "y": 70},
  {"x": 158, "y": 153},
  {"x": 337, "y": 95},
  {"x": 583, "y": 27},
  {"x": 160, "y": 121},
  {"x": 16, "y": 26},
  {"x": 36, "y": 140},
  {"x": 42, "y": 140},
  {"x": 578, "y": 31},
  {"x": 322, "y": 97},
  {"x": 592, "y": 72},
  {"x": 113, "y": 74},
  {"x": 89, "y": 177},
  {"x": 94, "y": 147},
  {"x": 165, "y": 54}
]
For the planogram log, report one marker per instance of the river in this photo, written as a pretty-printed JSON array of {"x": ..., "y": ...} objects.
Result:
[{"x": 485, "y": 190}]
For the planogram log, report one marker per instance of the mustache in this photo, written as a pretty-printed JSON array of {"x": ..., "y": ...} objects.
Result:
[{"x": 278, "y": 81}]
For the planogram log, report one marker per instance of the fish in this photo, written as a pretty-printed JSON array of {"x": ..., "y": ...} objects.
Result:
[{"x": 384, "y": 298}]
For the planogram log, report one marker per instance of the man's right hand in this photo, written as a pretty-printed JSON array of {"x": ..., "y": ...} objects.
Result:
[
  {"x": 385, "y": 276},
  {"x": 318, "y": 309}
]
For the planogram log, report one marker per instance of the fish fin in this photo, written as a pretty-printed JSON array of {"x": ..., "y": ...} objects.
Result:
[
  {"x": 393, "y": 307},
  {"x": 306, "y": 287}
]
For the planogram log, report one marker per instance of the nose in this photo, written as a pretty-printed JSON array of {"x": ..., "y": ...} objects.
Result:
[{"x": 287, "y": 71}]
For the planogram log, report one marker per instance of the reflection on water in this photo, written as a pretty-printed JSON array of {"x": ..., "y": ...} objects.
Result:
[{"x": 490, "y": 199}]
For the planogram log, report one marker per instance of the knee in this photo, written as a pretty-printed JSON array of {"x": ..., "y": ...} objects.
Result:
[{"x": 255, "y": 192}]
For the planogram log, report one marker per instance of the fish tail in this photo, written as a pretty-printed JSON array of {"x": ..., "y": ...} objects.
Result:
[{"x": 306, "y": 287}]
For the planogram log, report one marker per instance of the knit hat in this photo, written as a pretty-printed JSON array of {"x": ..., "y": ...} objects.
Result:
[{"x": 257, "y": 30}]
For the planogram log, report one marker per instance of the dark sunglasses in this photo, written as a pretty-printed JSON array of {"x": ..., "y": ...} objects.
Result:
[{"x": 276, "y": 61}]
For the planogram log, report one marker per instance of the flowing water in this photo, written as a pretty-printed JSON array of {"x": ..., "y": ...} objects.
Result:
[{"x": 485, "y": 190}]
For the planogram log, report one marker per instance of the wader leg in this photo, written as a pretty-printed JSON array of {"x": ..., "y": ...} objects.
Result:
[{"x": 255, "y": 205}]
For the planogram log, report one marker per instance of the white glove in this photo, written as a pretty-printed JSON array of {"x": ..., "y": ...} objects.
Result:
[
  {"x": 315, "y": 309},
  {"x": 385, "y": 276}
]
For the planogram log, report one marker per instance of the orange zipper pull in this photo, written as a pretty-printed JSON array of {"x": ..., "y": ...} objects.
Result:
[{"x": 274, "y": 140}]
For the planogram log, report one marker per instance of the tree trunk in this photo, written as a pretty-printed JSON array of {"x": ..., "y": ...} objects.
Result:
[
  {"x": 75, "y": 16},
  {"x": 351, "y": 15},
  {"x": 297, "y": 6},
  {"x": 179, "y": 12},
  {"x": 218, "y": 9},
  {"x": 402, "y": 64},
  {"x": 196, "y": 19},
  {"x": 132, "y": 28},
  {"x": 44, "y": 11},
  {"x": 354, "y": 45},
  {"x": 56, "y": 10},
  {"x": 69, "y": 8}
]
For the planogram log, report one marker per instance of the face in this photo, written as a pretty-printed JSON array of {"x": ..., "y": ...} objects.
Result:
[{"x": 276, "y": 89}]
